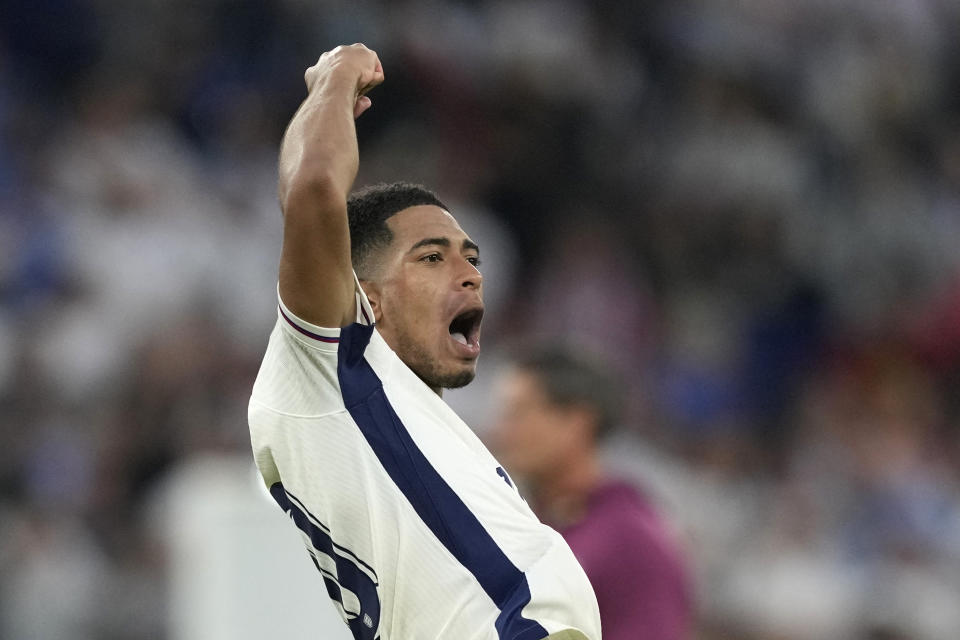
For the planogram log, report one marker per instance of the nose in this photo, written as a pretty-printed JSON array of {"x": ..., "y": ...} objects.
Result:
[{"x": 471, "y": 278}]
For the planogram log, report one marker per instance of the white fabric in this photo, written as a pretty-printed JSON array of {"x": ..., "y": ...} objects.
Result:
[{"x": 304, "y": 436}]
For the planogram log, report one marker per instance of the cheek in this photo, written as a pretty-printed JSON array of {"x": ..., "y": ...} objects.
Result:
[
  {"x": 405, "y": 307},
  {"x": 528, "y": 442},
  {"x": 419, "y": 308}
]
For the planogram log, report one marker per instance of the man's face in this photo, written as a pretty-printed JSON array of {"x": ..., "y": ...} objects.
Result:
[
  {"x": 532, "y": 435},
  {"x": 428, "y": 298}
]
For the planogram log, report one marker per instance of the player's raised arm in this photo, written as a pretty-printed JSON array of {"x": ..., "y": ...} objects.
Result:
[{"x": 318, "y": 163}]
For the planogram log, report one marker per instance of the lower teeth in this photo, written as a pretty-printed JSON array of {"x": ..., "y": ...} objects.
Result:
[{"x": 459, "y": 337}]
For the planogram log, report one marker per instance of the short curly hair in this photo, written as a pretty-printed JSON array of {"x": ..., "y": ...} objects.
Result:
[{"x": 367, "y": 212}]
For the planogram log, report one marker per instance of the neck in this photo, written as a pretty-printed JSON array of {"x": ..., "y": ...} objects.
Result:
[{"x": 561, "y": 495}]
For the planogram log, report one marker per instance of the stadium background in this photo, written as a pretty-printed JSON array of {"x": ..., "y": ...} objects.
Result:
[{"x": 753, "y": 208}]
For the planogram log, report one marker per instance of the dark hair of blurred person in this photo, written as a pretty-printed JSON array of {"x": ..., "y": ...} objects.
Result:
[{"x": 556, "y": 405}]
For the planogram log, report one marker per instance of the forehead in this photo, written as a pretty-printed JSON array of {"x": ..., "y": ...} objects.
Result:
[
  {"x": 423, "y": 221},
  {"x": 518, "y": 386}
]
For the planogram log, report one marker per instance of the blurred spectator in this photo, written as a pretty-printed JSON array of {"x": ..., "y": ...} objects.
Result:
[{"x": 555, "y": 408}]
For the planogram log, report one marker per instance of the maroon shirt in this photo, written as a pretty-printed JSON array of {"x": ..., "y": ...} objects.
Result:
[{"x": 634, "y": 565}]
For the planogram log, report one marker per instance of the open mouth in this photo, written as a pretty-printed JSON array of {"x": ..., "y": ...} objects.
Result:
[{"x": 465, "y": 327}]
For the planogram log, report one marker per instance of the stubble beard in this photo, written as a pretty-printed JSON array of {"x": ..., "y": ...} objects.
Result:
[{"x": 428, "y": 369}]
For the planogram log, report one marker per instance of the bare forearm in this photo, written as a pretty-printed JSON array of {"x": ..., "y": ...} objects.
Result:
[
  {"x": 319, "y": 150},
  {"x": 318, "y": 164}
]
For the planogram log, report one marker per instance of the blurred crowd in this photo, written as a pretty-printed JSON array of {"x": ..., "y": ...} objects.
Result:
[{"x": 752, "y": 209}]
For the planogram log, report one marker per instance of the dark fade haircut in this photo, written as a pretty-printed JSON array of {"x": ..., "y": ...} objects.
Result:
[
  {"x": 367, "y": 212},
  {"x": 570, "y": 378}
]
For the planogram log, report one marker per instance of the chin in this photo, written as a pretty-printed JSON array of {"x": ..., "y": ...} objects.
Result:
[
  {"x": 438, "y": 376},
  {"x": 458, "y": 380},
  {"x": 454, "y": 377}
]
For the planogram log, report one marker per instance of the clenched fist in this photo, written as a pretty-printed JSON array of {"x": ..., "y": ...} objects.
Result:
[{"x": 353, "y": 63}]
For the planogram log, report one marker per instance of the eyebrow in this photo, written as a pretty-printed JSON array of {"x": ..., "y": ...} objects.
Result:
[{"x": 445, "y": 242}]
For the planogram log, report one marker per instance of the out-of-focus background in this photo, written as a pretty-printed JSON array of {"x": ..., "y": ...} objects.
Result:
[{"x": 752, "y": 208}]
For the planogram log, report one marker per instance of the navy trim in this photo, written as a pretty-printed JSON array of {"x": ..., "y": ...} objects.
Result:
[
  {"x": 309, "y": 334},
  {"x": 343, "y": 550},
  {"x": 364, "y": 623},
  {"x": 506, "y": 478},
  {"x": 440, "y": 508},
  {"x": 334, "y": 590}
]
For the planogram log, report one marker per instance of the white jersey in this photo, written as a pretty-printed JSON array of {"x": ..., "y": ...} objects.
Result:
[{"x": 416, "y": 529}]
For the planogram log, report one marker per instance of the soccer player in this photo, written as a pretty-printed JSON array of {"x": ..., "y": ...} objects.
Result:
[
  {"x": 417, "y": 531},
  {"x": 556, "y": 405}
]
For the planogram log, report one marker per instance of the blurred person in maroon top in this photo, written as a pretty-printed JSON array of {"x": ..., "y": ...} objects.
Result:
[{"x": 555, "y": 407}]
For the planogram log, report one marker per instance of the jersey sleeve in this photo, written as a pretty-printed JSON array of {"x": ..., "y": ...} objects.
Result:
[
  {"x": 297, "y": 378},
  {"x": 312, "y": 460},
  {"x": 325, "y": 335},
  {"x": 298, "y": 375}
]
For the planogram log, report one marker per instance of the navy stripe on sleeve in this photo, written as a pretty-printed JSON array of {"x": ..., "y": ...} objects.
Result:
[{"x": 440, "y": 508}]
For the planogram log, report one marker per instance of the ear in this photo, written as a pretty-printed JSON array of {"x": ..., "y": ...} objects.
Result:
[{"x": 373, "y": 296}]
